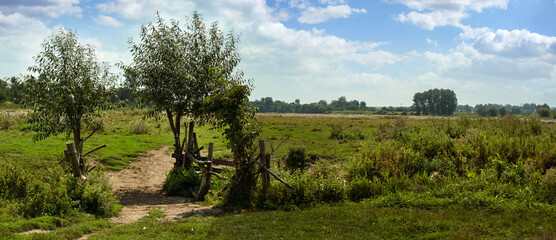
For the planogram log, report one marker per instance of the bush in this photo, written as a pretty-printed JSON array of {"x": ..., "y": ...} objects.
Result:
[
  {"x": 548, "y": 185},
  {"x": 97, "y": 197},
  {"x": 139, "y": 127},
  {"x": 330, "y": 190},
  {"x": 362, "y": 188},
  {"x": 307, "y": 192},
  {"x": 544, "y": 112},
  {"x": 296, "y": 158},
  {"x": 55, "y": 192},
  {"x": 337, "y": 132},
  {"x": 178, "y": 182}
]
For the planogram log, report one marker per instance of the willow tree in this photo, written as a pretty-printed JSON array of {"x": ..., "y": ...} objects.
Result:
[
  {"x": 174, "y": 68},
  {"x": 71, "y": 88}
]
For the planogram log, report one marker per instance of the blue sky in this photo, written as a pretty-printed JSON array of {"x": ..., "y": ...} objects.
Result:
[{"x": 381, "y": 52}]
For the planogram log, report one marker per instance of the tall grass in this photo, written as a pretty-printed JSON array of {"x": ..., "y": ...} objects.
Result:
[{"x": 475, "y": 163}]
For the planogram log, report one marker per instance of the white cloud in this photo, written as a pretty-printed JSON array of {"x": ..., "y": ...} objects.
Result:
[
  {"x": 42, "y": 8},
  {"x": 515, "y": 43},
  {"x": 108, "y": 21},
  {"x": 467, "y": 63},
  {"x": 432, "y": 42},
  {"x": 140, "y": 10},
  {"x": 23, "y": 34},
  {"x": 129, "y": 9},
  {"x": 331, "y": 2},
  {"x": 302, "y": 4},
  {"x": 436, "y": 13},
  {"x": 451, "y": 5},
  {"x": 431, "y": 20},
  {"x": 314, "y": 15}
]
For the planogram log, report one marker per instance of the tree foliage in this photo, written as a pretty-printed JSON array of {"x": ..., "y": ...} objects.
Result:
[
  {"x": 71, "y": 87},
  {"x": 175, "y": 68},
  {"x": 228, "y": 109},
  {"x": 11, "y": 89},
  {"x": 267, "y": 104},
  {"x": 435, "y": 102}
]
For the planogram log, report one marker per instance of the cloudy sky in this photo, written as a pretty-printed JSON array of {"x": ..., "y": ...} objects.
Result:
[{"x": 378, "y": 51}]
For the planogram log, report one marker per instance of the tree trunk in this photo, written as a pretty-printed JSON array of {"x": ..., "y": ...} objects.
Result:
[
  {"x": 187, "y": 162},
  {"x": 175, "y": 126},
  {"x": 78, "y": 146}
]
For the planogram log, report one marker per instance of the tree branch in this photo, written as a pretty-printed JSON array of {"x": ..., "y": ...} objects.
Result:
[
  {"x": 218, "y": 176},
  {"x": 93, "y": 150},
  {"x": 91, "y": 134},
  {"x": 275, "y": 176}
]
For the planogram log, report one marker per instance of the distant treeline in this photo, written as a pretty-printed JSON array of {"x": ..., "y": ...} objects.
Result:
[
  {"x": 267, "y": 104},
  {"x": 493, "y": 110},
  {"x": 12, "y": 90}
]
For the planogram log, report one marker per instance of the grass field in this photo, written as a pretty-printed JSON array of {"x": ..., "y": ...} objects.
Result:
[
  {"x": 346, "y": 221},
  {"x": 368, "y": 177}
]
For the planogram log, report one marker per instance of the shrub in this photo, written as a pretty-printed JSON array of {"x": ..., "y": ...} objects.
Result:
[
  {"x": 307, "y": 191},
  {"x": 139, "y": 127},
  {"x": 337, "y": 132},
  {"x": 391, "y": 130},
  {"x": 178, "y": 182},
  {"x": 362, "y": 188},
  {"x": 330, "y": 190},
  {"x": 548, "y": 185},
  {"x": 296, "y": 158},
  {"x": 55, "y": 192},
  {"x": 278, "y": 196},
  {"x": 97, "y": 197},
  {"x": 544, "y": 112}
]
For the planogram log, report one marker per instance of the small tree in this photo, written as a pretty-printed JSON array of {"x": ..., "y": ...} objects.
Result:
[
  {"x": 174, "y": 69},
  {"x": 72, "y": 88},
  {"x": 228, "y": 109}
]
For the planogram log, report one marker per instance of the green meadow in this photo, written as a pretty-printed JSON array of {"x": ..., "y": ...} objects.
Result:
[{"x": 364, "y": 178}]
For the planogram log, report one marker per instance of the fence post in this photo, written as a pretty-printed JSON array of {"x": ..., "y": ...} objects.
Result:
[
  {"x": 205, "y": 183},
  {"x": 267, "y": 165},
  {"x": 262, "y": 158}
]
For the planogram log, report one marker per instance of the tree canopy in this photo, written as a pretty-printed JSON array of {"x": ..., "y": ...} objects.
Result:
[
  {"x": 174, "y": 68},
  {"x": 71, "y": 87},
  {"x": 435, "y": 102}
]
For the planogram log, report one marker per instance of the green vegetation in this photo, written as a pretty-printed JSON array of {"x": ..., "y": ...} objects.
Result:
[
  {"x": 70, "y": 91},
  {"x": 175, "y": 69},
  {"x": 348, "y": 221},
  {"x": 179, "y": 181},
  {"x": 296, "y": 158},
  {"x": 442, "y": 102},
  {"x": 411, "y": 178},
  {"x": 478, "y": 163},
  {"x": 227, "y": 109}
]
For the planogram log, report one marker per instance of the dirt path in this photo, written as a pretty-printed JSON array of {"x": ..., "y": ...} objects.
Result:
[{"x": 140, "y": 190}]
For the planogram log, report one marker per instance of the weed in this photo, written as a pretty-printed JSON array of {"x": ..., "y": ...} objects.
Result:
[{"x": 139, "y": 126}]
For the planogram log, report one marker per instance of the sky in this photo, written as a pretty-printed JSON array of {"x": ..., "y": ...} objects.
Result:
[{"x": 378, "y": 51}]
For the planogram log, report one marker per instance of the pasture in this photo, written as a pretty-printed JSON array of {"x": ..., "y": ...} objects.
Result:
[{"x": 366, "y": 177}]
